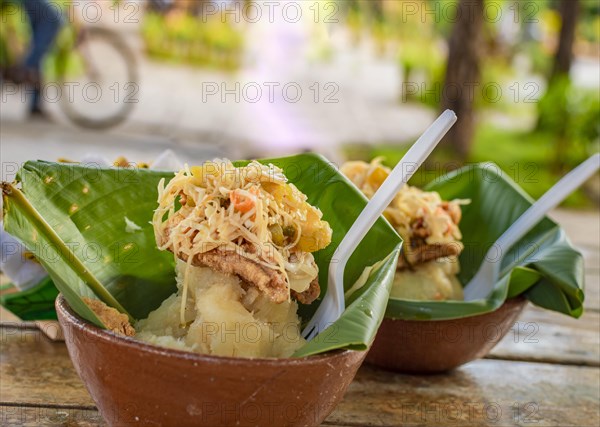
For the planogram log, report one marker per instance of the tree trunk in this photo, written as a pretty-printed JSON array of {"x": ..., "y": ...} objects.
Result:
[
  {"x": 463, "y": 73},
  {"x": 559, "y": 83},
  {"x": 376, "y": 7},
  {"x": 569, "y": 11}
]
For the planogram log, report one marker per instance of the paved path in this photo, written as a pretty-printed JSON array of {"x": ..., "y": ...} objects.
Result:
[{"x": 42, "y": 140}]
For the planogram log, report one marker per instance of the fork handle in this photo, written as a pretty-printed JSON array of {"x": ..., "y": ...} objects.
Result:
[{"x": 552, "y": 198}]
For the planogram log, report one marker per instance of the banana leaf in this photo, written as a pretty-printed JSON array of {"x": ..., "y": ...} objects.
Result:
[
  {"x": 543, "y": 266},
  {"x": 73, "y": 219}
]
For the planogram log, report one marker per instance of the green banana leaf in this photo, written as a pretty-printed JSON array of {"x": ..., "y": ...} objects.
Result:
[
  {"x": 543, "y": 266},
  {"x": 72, "y": 218}
]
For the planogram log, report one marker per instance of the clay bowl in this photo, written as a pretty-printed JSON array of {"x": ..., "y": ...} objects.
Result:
[
  {"x": 434, "y": 346},
  {"x": 133, "y": 383}
]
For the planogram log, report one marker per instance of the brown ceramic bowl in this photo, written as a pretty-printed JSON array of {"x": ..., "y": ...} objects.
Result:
[
  {"x": 433, "y": 346},
  {"x": 133, "y": 383}
]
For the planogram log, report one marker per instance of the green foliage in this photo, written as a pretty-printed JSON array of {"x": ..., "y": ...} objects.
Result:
[
  {"x": 570, "y": 115},
  {"x": 426, "y": 58},
  {"x": 553, "y": 106},
  {"x": 541, "y": 60},
  {"x": 73, "y": 220},
  {"x": 183, "y": 38},
  {"x": 14, "y": 33},
  {"x": 589, "y": 25}
]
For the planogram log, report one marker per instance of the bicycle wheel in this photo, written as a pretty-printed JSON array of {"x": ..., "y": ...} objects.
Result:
[{"x": 98, "y": 78}]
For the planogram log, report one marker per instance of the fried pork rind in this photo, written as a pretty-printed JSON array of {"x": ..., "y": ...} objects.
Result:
[
  {"x": 269, "y": 281},
  {"x": 110, "y": 317},
  {"x": 247, "y": 221}
]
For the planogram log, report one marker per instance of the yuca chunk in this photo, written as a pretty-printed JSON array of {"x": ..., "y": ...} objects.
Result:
[{"x": 223, "y": 318}]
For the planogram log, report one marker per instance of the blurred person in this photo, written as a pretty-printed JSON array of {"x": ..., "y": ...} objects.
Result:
[{"x": 45, "y": 19}]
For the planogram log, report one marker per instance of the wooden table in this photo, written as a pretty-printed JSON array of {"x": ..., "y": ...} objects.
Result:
[{"x": 546, "y": 372}]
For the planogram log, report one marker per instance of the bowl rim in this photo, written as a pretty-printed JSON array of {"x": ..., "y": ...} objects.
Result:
[{"x": 72, "y": 319}]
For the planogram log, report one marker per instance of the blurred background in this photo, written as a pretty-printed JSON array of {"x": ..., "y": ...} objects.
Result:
[{"x": 351, "y": 79}]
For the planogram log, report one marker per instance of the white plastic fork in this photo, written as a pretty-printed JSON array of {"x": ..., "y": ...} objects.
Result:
[
  {"x": 481, "y": 285},
  {"x": 333, "y": 304}
]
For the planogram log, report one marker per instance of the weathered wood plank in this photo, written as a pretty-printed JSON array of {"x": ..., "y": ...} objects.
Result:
[
  {"x": 545, "y": 336},
  {"x": 592, "y": 290},
  {"x": 26, "y": 416},
  {"x": 582, "y": 227},
  {"x": 7, "y": 317},
  {"x": 35, "y": 370},
  {"x": 484, "y": 392},
  {"x": 591, "y": 258}
]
